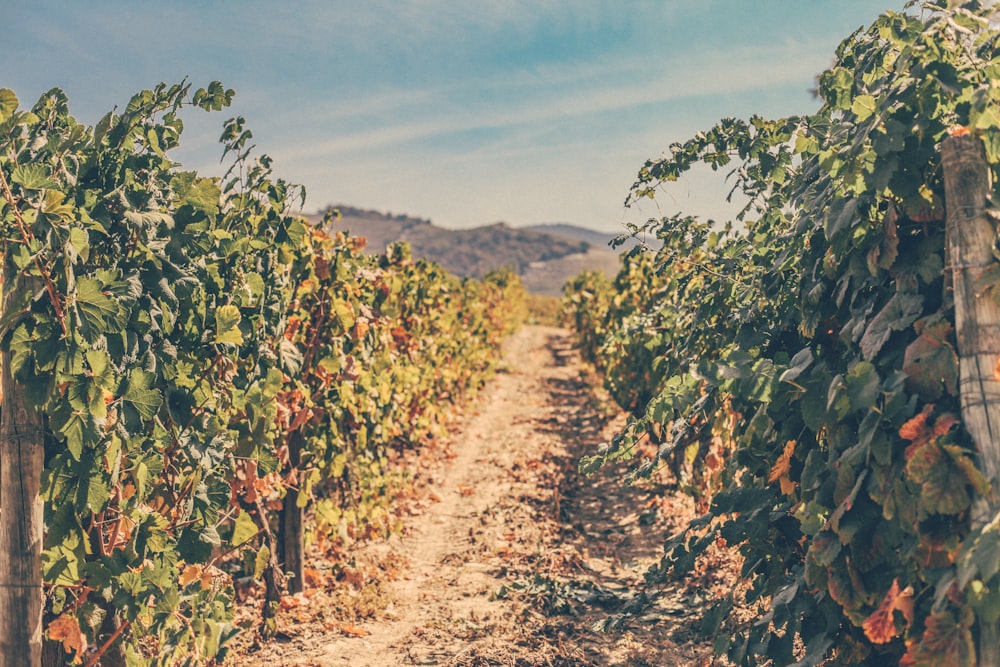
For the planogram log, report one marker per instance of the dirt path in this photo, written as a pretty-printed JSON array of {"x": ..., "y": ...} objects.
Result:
[{"x": 509, "y": 556}]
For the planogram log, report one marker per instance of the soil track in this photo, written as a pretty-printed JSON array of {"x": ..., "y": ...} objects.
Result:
[{"x": 509, "y": 557}]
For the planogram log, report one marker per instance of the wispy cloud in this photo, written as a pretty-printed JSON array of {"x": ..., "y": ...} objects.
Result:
[
  {"x": 525, "y": 110},
  {"x": 538, "y": 104}
]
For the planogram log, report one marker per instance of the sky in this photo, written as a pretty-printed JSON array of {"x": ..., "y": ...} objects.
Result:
[{"x": 467, "y": 113}]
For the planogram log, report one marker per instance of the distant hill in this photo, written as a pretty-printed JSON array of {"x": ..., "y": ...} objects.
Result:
[
  {"x": 544, "y": 255},
  {"x": 595, "y": 238}
]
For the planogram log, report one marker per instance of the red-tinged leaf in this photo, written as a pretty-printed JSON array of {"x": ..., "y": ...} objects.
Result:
[
  {"x": 915, "y": 429},
  {"x": 946, "y": 641},
  {"x": 314, "y": 577},
  {"x": 942, "y": 484},
  {"x": 881, "y": 626},
  {"x": 843, "y": 589},
  {"x": 944, "y": 424},
  {"x": 824, "y": 548},
  {"x": 930, "y": 362}
]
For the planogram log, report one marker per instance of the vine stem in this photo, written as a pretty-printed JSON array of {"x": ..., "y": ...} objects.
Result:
[
  {"x": 107, "y": 644},
  {"x": 26, "y": 237}
]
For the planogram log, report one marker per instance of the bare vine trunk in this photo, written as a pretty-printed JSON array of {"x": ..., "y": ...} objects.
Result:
[
  {"x": 21, "y": 519},
  {"x": 291, "y": 537},
  {"x": 971, "y": 236}
]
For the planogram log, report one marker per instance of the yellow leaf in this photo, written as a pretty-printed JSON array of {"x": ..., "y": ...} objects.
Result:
[{"x": 190, "y": 573}]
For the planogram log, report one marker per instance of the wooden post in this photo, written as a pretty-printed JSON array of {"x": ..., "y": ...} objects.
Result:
[
  {"x": 970, "y": 241},
  {"x": 21, "y": 520},
  {"x": 291, "y": 537}
]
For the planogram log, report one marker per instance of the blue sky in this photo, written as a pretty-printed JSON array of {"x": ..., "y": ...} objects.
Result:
[{"x": 467, "y": 113}]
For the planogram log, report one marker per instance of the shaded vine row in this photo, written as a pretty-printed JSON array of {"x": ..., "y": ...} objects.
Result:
[{"x": 797, "y": 369}]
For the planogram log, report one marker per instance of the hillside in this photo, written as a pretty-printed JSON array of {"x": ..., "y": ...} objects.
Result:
[
  {"x": 544, "y": 255},
  {"x": 595, "y": 238}
]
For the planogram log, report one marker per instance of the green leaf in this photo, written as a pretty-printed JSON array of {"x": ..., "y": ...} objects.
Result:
[
  {"x": 244, "y": 529},
  {"x": 986, "y": 601},
  {"x": 227, "y": 325},
  {"x": 899, "y": 312},
  {"x": 8, "y": 103},
  {"x": 78, "y": 245},
  {"x": 296, "y": 232},
  {"x": 140, "y": 395},
  {"x": 260, "y": 562},
  {"x": 863, "y": 387},
  {"x": 56, "y": 208},
  {"x": 204, "y": 196},
  {"x": 32, "y": 176},
  {"x": 863, "y": 107},
  {"x": 97, "y": 311}
]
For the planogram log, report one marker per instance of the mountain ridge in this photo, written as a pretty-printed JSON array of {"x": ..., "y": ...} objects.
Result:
[{"x": 545, "y": 256}]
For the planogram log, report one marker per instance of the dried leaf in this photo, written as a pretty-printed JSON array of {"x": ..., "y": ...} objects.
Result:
[
  {"x": 915, "y": 429},
  {"x": 313, "y": 577},
  {"x": 66, "y": 629},
  {"x": 189, "y": 574},
  {"x": 353, "y": 630},
  {"x": 783, "y": 465},
  {"x": 880, "y": 627},
  {"x": 890, "y": 239}
]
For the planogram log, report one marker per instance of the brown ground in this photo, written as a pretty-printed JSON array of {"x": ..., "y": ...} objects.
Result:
[{"x": 509, "y": 557}]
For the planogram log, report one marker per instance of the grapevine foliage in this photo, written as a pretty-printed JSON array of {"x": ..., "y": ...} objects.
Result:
[
  {"x": 804, "y": 371},
  {"x": 179, "y": 333}
]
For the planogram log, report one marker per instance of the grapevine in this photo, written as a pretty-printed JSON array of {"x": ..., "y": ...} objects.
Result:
[
  {"x": 805, "y": 373},
  {"x": 197, "y": 352}
]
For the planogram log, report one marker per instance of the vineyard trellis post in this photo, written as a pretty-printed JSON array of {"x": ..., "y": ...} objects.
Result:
[
  {"x": 21, "y": 512},
  {"x": 971, "y": 237}
]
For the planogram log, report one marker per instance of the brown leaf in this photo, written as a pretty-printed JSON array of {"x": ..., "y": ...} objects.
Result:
[
  {"x": 66, "y": 629},
  {"x": 313, "y": 577},
  {"x": 301, "y": 417},
  {"x": 890, "y": 239},
  {"x": 783, "y": 465},
  {"x": 880, "y": 627},
  {"x": 353, "y": 630},
  {"x": 915, "y": 429}
]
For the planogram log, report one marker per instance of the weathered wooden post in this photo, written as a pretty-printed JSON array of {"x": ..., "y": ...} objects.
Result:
[
  {"x": 970, "y": 242},
  {"x": 21, "y": 519},
  {"x": 22, "y": 527}
]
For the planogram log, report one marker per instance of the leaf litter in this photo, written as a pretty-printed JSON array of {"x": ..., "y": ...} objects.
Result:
[{"x": 508, "y": 556}]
